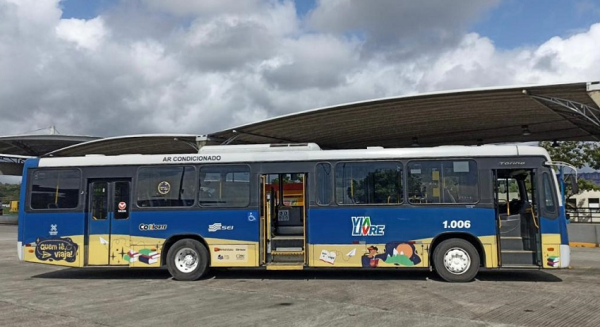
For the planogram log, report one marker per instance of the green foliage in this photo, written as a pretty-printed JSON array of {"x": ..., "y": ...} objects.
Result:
[
  {"x": 9, "y": 192},
  {"x": 380, "y": 186},
  {"x": 578, "y": 154}
]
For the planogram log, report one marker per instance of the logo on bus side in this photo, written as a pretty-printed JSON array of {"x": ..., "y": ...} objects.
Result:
[
  {"x": 53, "y": 230},
  {"x": 218, "y": 226},
  {"x": 510, "y": 163},
  {"x": 361, "y": 226},
  {"x": 164, "y": 187},
  {"x": 149, "y": 227}
]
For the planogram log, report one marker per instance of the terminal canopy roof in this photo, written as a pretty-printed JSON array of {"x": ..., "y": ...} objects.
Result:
[
  {"x": 38, "y": 145},
  {"x": 133, "y": 144},
  {"x": 494, "y": 115}
]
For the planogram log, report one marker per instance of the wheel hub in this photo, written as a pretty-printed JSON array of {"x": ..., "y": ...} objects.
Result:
[
  {"x": 186, "y": 260},
  {"x": 457, "y": 261}
]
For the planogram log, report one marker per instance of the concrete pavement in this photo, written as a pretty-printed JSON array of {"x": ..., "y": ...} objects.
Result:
[{"x": 35, "y": 295}]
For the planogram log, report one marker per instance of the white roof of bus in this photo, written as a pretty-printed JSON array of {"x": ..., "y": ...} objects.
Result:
[{"x": 307, "y": 154}]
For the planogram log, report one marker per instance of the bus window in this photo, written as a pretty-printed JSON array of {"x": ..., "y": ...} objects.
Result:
[
  {"x": 375, "y": 182},
  {"x": 224, "y": 186},
  {"x": 166, "y": 187},
  {"x": 442, "y": 182},
  {"x": 549, "y": 204},
  {"x": 99, "y": 200},
  {"x": 324, "y": 187},
  {"x": 55, "y": 189}
]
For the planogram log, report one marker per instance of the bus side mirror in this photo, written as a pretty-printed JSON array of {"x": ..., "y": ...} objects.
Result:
[{"x": 574, "y": 185}]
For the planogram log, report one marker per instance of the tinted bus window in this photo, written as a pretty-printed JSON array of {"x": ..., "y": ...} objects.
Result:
[
  {"x": 55, "y": 189},
  {"x": 166, "y": 187},
  {"x": 375, "y": 182},
  {"x": 224, "y": 186},
  {"x": 324, "y": 184},
  {"x": 99, "y": 200},
  {"x": 549, "y": 204},
  {"x": 442, "y": 181}
]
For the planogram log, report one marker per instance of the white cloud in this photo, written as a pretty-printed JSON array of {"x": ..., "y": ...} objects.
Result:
[
  {"x": 87, "y": 34},
  {"x": 150, "y": 66}
]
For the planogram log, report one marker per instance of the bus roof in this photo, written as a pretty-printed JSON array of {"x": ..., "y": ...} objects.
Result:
[{"x": 311, "y": 152}]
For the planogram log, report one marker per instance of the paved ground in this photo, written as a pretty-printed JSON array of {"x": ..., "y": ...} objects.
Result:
[{"x": 40, "y": 295}]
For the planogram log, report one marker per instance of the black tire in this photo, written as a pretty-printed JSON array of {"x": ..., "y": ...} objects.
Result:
[
  {"x": 466, "y": 253},
  {"x": 187, "y": 271}
]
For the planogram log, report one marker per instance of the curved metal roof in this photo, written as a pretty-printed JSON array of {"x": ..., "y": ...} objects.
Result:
[
  {"x": 38, "y": 145},
  {"x": 469, "y": 117},
  {"x": 132, "y": 144}
]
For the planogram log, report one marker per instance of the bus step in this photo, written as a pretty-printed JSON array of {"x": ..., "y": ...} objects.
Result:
[
  {"x": 287, "y": 242},
  {"x": 288, "y": 251},
  {"x": 520, "y": 258},
  {"x": 511, "y": 243},
  {"x": 287, "y": 237},
  {"x": 284, "y": 266},
  {"x": 288, "y": 256},
  {"x": 521, "y": 266}
]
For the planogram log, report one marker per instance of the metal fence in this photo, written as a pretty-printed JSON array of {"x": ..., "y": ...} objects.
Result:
[{"x": 584, "y": 215}]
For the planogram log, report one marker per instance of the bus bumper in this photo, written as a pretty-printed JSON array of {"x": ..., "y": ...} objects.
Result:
[
  {"x": 20, "y": 250},
  {"x": 565, "y": 255}
]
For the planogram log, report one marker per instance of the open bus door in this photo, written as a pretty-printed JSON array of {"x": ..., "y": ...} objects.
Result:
[
  {"x": 107, "y": 236},
  {"x": 283, "y": 220},
  {"x": 518, "y": 219}
]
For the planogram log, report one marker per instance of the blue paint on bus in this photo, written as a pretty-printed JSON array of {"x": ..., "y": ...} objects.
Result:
[{"x": 335, "y": 225}]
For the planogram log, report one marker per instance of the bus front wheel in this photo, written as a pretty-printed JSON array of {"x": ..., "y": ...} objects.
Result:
[
  {"x": 456, "y": 260},
  {"x": 187, "y": 260}
]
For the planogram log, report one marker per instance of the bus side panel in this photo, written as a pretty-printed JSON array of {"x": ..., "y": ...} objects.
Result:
[
  {"x": 554, "y": 253},
  {"x": 392, "y": 237},
  {"x": 29, "y": 164},
  {"x": 54, "y": 238},
  {"x": 232, "y": 235}
]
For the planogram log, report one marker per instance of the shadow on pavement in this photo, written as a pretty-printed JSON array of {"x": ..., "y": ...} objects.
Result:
[
  {"x": 106, "y": 273},
  {"x": 337, "y": 274},
  {"x": 517, "y": 276}
]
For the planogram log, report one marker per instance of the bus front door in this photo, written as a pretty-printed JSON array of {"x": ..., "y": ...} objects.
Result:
[
  {"x": 518, "y": 218},
  {"x": 283, "y": 220},
  {"x": 107, "y": 236}
]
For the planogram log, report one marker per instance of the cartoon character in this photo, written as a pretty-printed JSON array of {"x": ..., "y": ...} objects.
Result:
[{"x": 371, "y": 258}]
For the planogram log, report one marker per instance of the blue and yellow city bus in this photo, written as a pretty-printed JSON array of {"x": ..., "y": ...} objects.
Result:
[{"x": 453, "y": 209}]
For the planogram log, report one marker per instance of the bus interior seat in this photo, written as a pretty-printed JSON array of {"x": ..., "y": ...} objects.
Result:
[{"x": 295, "y": 224}]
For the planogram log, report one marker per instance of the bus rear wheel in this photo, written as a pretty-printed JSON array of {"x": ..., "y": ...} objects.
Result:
[
  {"x": 187, "y": 260},
  {"x": 456, "y": 260}
]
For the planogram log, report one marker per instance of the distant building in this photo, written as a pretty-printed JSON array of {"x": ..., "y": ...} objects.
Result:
[{"x": 594, "y": 176}]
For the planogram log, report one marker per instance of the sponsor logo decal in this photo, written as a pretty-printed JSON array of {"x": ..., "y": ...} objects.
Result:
[
  {"x": 53, "y": 230},
  {"x": 361, "y": 226},
  {"x": 219, "y": 226},
  {"x": 122, "y": 207},
  {"x": 149, "y": 227},
  {"x": 230, "y": 253}
]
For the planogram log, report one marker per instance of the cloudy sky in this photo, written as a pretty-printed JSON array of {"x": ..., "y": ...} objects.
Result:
[{"x": 116, "y": 67}]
